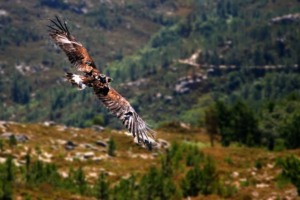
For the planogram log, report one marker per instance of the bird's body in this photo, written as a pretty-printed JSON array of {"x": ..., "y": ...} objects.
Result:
[{"x": 100, "y": 83}]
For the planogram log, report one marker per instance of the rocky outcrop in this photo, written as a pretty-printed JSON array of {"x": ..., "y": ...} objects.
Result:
[
  {"x": 289, "y": 18},
  {"x": 187, "y": 83},
  {"x": 19, "y": 137},
  {"x": 97, "y": 128},
  {"x": 191, "y": 60},
  {"x": 49, "y": 123},
  {"x": 101, "y": 143},
  {"x": 69, "y": 145},
  {"x": 136, "y": 83}
]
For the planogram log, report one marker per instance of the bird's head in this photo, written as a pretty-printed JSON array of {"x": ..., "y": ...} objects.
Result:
[{"x": 103, "y": 78}]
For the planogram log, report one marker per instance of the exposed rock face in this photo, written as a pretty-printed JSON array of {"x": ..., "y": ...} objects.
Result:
[
  {"x": 136, "y": 83},
  {"x": 18, "y": 137},
  {"x": 187, "y": 83},
  {"x": 88, "y": 155},
  {"x": 3, "y": 126},
  {"x": 7, "y": 135},
  {"x": 88, "y": 146},
  {"x": 25, "y": 69},
  {"x": 101, "y": 143},
  {"x": 286, "y": 18},
  {"x": 3, "y": 12},
  {"x": 2, "y": 160},
  {"x": 97, "y": 128},
  {"x": 235, "y": 174},
  {"x": 61, "y": 127},
  {"x": 168, "y": 99},
  {"x": 69, "y": 145},
  {"x": 21, "y": 138},
  {"x": 49, "y": 123},
  {"x": 191, "y": 60}
]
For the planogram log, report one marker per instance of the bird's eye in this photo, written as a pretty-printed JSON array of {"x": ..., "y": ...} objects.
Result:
[{"x": 89, "y": 63}]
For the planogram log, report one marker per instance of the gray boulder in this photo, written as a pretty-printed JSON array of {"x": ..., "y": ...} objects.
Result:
[{"x": 101, "y": 143}]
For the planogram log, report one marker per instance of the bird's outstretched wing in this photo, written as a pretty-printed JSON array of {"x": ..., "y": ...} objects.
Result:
[
  {"x": 119, "y": 107},
  {"x": 117, "y": 104},
  {"x": 122, "y": 109},
  {"x": 75, "y": 51}
]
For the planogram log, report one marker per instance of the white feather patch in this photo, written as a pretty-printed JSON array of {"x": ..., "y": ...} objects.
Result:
[
  {"x": 65, "y": 40},
  {"x": 78, "y": 81}
]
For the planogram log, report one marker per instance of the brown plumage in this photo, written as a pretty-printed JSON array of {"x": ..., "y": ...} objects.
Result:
[
  {"x": 75, "y": 51},
  {"x": 111, "y": 99}
]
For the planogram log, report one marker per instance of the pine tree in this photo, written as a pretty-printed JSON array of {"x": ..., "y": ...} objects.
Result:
[
  {"x": 224, "y": 122},
  {"x": 20, "y": 90},
  {"x": 12, "y": 141},
  {"x": 211, "y": 123},
  {"x": 149, "y": 185},
  {"x": 37, "y": 172},
  {"x": 27, "y": 165},
  {"x": 291, "y": 132},
  {"x": 200, "y": 180},
  {"x": 155, "y": 185},
  {"x": 244, "y": 125},
  {"x": 1, "y": 145},
  {"x": 125, "y": 189},
  {"x": 7, "y": 178},
  {"x": 80, "y": 181},
  {"x": 9, "y": 169},
  {"x": 291, "y": 169},
  {"x": 190, "y": 185},
  {"x": 7, "y": 190},
  {"x": 209, "y": 177},
  {"x": 111, "y": 147},
  {"x": 102, "y": 187}
]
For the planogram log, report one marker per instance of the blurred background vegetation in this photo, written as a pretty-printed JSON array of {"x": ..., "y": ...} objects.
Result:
[
  {"x": 229, "y": 66},
  {"x": 247, "y": 67}
]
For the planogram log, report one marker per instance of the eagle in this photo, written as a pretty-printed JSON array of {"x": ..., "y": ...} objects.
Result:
[{"x": 91, "y": 77}]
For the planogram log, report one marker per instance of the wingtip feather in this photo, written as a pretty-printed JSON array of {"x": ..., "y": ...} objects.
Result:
[{"x": 58, "y": 26}]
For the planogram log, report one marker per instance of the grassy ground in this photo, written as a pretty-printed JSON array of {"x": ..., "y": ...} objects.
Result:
[{"x": 252, "y": 171}]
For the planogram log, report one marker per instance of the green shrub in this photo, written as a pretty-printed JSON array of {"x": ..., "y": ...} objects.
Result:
[
  {"x": 226, "y": 191},
  {"x": 99, "y": 120},
  {"x": 279, "y": 145},
  {"x": 194, "y": 156},
  {"x": 258, "y": 164},
  {"x": 1, "y": 145},
  {"x": 228, "y": 160},
  {"x": 125, "y": 189},
  {"x": 291, "y": 170},
  {"x": 202, "y": 180},
  {"x": 291, "y": 132},
  {"x": 12, "y": 141},
  {"x": 111, "y": 147},
  {"x": 102, "y": 187},
  {"x": 154, "y": 185}
]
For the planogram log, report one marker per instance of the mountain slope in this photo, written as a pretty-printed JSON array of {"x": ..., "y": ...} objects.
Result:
[{"x": 141, "y": 44}]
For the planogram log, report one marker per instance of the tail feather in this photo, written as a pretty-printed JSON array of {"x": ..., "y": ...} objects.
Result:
[{"x": 76, "y": 80}]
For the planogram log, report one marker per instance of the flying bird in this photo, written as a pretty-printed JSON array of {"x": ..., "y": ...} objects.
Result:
[{"x": 92, "y": 77}]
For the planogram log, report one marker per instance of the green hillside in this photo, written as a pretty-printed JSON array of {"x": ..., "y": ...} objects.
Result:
[
  {"x": 30, "y": 63},
  {"x": 139, "y": 44},
  {"x": 244, "y": 51},
  {"x": 218, "y": 80}
]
